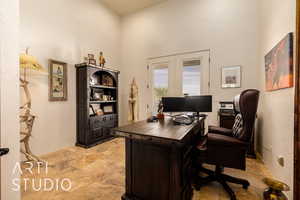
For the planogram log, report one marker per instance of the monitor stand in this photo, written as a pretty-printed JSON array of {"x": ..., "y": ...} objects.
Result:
[{"x": 201, "y": 115}]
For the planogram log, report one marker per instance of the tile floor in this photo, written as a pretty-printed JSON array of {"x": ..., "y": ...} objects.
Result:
[{"x": 98, "y": 174}]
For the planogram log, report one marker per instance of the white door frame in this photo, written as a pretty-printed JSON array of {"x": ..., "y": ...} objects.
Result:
[
  {"x": 175, "y": 66},
  {"x": 9, "y": 95}
]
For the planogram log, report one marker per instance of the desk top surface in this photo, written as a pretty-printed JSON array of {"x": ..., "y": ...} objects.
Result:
[{"x": 162, "y": 129}]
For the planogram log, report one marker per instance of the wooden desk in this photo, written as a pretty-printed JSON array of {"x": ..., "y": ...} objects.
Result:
[{"x": 158, "y": 159}]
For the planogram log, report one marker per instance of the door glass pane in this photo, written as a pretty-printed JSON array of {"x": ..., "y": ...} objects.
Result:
[
  {"x": 191, "y": 80},
  {"x": 160, "y": 85}
]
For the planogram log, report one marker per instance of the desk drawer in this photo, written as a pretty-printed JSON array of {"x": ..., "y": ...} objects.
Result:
[
  {"x": 97, "y": 133},
  {"x": 187, "y": 166},
  {"x": 187, "y": 170}
]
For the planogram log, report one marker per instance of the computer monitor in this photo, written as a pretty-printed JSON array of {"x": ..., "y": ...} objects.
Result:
[
  {"x": 198, "y": 103},
  {"x": 173, "y": 104},
  {"x": 188, "y": 104}
]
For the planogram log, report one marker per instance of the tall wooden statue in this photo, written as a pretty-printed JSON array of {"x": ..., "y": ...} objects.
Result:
[
  {"x": 133, "y": 114},
  {"x": 26, "y": 118}
]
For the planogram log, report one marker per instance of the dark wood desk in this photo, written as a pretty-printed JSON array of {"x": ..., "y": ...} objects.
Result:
[{"x": 158, "y": 159}]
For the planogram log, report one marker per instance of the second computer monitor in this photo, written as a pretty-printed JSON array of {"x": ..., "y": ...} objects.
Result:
[{"x": 199, "y": 103}]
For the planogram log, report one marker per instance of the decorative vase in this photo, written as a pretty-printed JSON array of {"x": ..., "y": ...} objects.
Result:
[
  {"x": 274, "y": 192},
  {"x": 160, "y": 116}
]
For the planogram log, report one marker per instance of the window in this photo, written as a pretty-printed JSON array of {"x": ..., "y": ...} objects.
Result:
[{"x": 191, "y": 78}]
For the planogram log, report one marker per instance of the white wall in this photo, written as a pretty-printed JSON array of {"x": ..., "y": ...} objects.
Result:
[
  {"x": 67, "y": 31},
  {"x": 9, "y": 98},
  {"x": 228, "y": 28},
  {"x": 276, "y": 124}
]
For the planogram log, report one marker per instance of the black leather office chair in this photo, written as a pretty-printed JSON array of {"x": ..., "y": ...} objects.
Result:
[{"x": 227, "y": 147}]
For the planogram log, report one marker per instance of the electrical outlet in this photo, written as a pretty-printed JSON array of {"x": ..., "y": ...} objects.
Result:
[{"x": 280, "y": 161}]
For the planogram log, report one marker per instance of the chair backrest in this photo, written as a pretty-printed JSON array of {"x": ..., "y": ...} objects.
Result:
[{"x": 246, "y": 104}]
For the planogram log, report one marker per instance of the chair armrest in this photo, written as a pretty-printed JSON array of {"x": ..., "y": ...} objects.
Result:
[
  {"x": 222, "y": 140},
  {"x": 220, "y": 130}
]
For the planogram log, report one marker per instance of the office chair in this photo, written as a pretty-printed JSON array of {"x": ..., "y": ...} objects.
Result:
[{"x": 227, "y": 147}]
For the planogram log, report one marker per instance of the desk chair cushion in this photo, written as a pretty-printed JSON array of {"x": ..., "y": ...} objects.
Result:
[
  {"x": 226, "y": 151},
  {"x": 223, "y": 141},
  {"x": 238, "y": 126},
  {"x": 220, "y": 130}
]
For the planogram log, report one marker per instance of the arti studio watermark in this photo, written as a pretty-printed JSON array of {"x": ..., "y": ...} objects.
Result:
[{"x": 38, "y": 184}]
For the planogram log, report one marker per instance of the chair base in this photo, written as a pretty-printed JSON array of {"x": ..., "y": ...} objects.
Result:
[{"x": 221, "y": 178}]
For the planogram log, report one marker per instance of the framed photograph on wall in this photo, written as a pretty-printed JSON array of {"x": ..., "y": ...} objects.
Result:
[
  {"x": 231, "y": 76},
  {"x": 58, "y": 83}
]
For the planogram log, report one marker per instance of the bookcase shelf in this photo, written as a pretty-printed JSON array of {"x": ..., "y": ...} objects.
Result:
[
  {"x": 99, "y": 102},
  {"x": 103, "y": 87},
  {"x": 95, "y": 89}
]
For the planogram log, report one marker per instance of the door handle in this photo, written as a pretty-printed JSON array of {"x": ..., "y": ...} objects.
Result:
[{"x": 3, "y": 151}]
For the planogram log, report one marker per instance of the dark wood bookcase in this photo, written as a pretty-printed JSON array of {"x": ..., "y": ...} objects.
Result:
[{"x": 96, "y": 90}]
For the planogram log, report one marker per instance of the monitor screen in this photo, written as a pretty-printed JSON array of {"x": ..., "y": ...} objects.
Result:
[
  {"x": 173, "y": 104},
  {"x": 199, "y": 103},
  {"x": 187, "y": 104}
]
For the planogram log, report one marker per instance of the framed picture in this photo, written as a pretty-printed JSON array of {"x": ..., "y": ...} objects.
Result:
[
  {"x": 58, "y": 83},
  {"x": 108, "y": 109},
  {"x": 231, "y": 77},
  {"x": 279, "y": 65}
]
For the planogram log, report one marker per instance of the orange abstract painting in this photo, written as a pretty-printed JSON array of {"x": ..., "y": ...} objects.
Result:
[{"x": 279, "y": 65}]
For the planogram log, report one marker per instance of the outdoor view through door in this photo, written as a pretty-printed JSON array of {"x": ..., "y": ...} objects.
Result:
[
  {"x": 191, "y": 78},
  {"x": 160, "y": 85},
  {"x": 178, "y": 75}
]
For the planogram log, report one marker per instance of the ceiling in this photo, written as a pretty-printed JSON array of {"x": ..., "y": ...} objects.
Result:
[{"x": 123, "y": 7}]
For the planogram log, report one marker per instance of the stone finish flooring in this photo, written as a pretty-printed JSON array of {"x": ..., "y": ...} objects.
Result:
[{"x": 98, "y": 173}]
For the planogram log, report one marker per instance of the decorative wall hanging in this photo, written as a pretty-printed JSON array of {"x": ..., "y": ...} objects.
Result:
[
  {"x": 279, "y": 65},
  {"x": 231, "y": 77},
  {"x": 27, "y": 62},
  {"x": 133, "y": 114},
  {"x": 58, "y": 86}
]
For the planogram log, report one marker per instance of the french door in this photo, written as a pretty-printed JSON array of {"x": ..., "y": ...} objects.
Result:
[{"x": 177, "y": 75}]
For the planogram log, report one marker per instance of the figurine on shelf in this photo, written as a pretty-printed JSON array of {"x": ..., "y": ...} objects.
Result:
[{"x": 101, "y": 60}]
